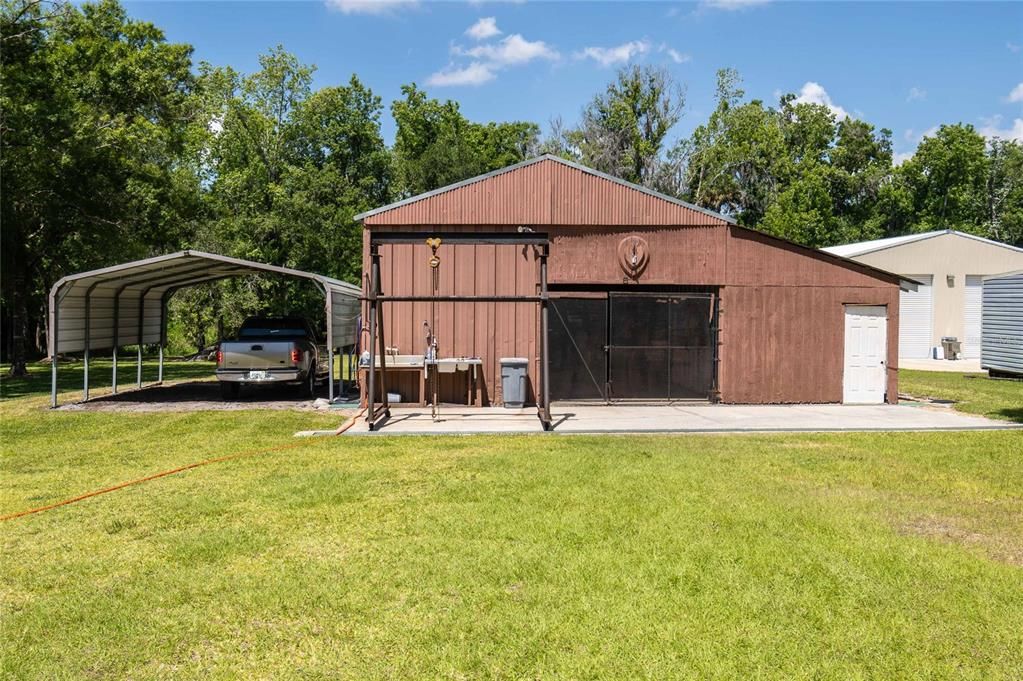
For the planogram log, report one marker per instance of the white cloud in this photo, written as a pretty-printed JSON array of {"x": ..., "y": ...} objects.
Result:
[
  {"x": 992, "y": 127},
  {"x": 370, "y": 6},
  {"x": 608, "y": 56},
  {"x": 512, "y": 50},
  {"x": 916, "y": 94},
  {"x": 473, "y": 74},
  {"x": 732, "y": 5},
  {"x": 1017, "y": 94},
  {"x": 900, "y": 157},
  {"x": 489, "y": 58},
  {"x": 814, "y": 93},
  {"x": 1013, "y": 47},
  {"x": 483, "y": 29},
  {"x": 676, "y": 56}
]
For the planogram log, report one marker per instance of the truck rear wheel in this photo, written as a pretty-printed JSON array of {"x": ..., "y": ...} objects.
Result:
[
  {"x": 309, "y": 387},
  {"x": 229, "y": 391}
]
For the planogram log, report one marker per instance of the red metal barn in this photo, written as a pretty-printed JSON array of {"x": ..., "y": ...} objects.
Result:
[{"x": 651, "y": 298}]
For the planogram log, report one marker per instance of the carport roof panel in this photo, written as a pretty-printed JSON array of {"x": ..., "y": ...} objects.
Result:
[
  {"x": 150, "y": 278},
  {"x": 184, "y": 264}
]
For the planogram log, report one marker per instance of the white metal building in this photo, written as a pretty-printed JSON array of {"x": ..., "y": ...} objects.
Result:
[{"x": 950, "y": 267}]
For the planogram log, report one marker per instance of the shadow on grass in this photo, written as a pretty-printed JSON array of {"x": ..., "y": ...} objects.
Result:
[
  {"x": 1014, "y": 415},
  {"x": 71, "y": 374}
]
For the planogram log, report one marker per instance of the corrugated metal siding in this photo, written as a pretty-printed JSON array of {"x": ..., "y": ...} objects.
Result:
[
  {"x": 785, "y": 344},
  {"x": 583, "y": 199},
  {"x": 677, "y": 255},
  {"x": 543, "y": 193},
  {"x": 973, "y": 306},
  {"x": 756, "y": 259},
  {"x": 783, "y": 317},
  {"x": 916, "y": 321},
  {"x": 781, "y": 342},
  {"x": 1002, "y": 324},
  {"x": 485, "y": 330},
  {"x": 101, "y": 318}
]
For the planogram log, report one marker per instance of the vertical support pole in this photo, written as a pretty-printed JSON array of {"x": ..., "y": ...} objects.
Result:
[
  {"x": 117, "y": 333},
  {"x": 88, "y": 340},
  {"x": 715, "y": 385},
  {"x": 55, "y": 330},
  {"x": 163, "y": 332},
  {"x": 330, "y": 345},
  {"x": 544, "y": 346},
  {"x": 372, "y": 370},
  {"x": 383, "y": 344},
  {"x": 53, "y": 380},
  {"x": 376, "y": 333},
  {"x": 142, "y": 320}
]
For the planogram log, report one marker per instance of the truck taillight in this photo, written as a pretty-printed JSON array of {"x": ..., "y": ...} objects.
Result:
[
  {"x": 220, "y": 356},
  {"x": 296, "y": 356}
]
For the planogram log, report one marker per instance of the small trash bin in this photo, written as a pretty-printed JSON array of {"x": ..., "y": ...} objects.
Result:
[
  {"x": 513, "y": 381},
  {"x": 951, "y": 346}
]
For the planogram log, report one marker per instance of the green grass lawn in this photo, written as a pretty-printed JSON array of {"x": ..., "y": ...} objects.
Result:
[
  {"x": 973, "y": 393},
  {"x": 803, "y": 556},
  {"x": 71, "y": 377}
]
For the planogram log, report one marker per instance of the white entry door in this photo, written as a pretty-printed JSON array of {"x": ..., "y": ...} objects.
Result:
[
  {"x": 866, "y": 346},
  {"x": 916, "y": 311},
  {"x": 971, "y": 315}
]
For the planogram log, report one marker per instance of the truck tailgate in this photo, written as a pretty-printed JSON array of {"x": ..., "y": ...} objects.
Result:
[{"x": 257, "y": 355}]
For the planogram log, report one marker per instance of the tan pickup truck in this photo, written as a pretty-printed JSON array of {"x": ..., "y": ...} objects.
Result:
[{"x": 271, "y": 350}]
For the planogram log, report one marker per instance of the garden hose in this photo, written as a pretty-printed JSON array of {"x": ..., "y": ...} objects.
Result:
[{"x": 292, "y": 445}]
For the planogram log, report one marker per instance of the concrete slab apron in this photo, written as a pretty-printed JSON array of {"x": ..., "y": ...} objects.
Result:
[{"x": 682, "y": 418}]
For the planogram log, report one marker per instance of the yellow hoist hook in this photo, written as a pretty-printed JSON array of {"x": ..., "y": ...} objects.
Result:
[{"x": 434, "y": 244}]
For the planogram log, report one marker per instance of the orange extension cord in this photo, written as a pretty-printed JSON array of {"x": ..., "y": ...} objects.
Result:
[{"x": 348, "y": 424}]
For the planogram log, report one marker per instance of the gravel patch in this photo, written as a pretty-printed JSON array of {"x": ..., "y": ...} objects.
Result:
[{"x": 202, "y": 396}]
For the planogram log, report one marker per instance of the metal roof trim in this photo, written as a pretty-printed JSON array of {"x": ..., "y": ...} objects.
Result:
[
  {"x": 1014, "y": 273},
  {"x": 140, "y": 267},
  {"x": 923, "y": 236},
  {"x": 539, "y": 159}
]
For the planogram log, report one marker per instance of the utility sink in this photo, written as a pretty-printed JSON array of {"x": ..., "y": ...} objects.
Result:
[
  {"x": 447, "y": 365},
  {"x": 398, "y": 361}
]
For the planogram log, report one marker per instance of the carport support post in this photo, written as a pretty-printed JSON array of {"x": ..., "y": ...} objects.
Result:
[
  {"x": 163, "y": 331},
  {"x": 330, "y": 345},
  {"x": 117, "y": 331},
  {"x": 142, "y": 319},
  {"x": 85, "y": 355},
  {"x": 55, "y": 306}
]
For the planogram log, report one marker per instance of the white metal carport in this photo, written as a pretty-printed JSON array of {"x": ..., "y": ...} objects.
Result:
[{"x": 127, "y": 305}]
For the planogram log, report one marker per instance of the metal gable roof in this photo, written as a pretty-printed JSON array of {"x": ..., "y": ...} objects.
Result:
[
  {"x": 646, "y": 192},
  {"x": 123, "y": 304},
  {"x": 865, "y": 247}
]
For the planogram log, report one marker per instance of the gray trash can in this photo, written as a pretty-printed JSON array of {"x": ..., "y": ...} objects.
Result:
[
  {"x": 952, "y": 347},
  {"x": 513, "y": 381}
]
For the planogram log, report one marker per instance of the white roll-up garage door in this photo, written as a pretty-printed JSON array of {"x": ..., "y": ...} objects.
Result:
[
  {"x": 972, "y": 308},
  {"x": 916, "y": 310}
]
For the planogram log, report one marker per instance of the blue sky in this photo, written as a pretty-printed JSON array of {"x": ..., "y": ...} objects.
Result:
[{"x": 905, "y": 66}]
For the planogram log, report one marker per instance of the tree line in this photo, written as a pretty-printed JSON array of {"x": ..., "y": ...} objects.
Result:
[{"x": 114, "y": 145}]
